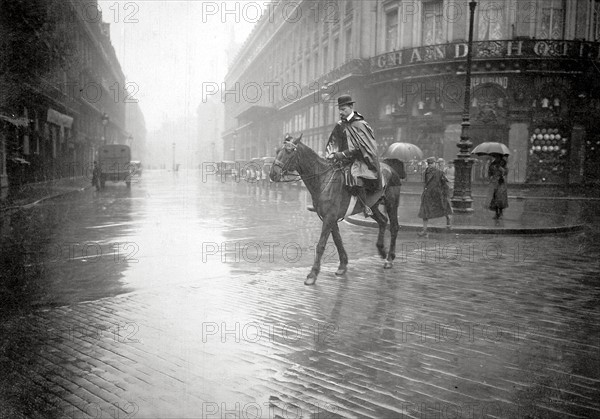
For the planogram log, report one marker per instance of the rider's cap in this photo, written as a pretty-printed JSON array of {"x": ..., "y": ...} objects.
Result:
[
  {"x": 430, "y": 159},
  {"x": 345, "y": 100}
]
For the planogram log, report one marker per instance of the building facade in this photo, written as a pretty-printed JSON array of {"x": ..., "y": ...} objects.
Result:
[
  {"x": 65, "y": 82},
  {"x": 535, "y": 85}
]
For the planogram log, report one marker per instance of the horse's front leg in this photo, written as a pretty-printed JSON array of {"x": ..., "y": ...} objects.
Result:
[
  {"x": 382, "y": 223},
  {"x": 325, "y": 230},
  {"x": 337, "y": 239},
  {"x": 391, "y": 206}
]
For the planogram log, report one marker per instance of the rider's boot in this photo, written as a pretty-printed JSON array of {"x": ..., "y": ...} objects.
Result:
[{"x": 362, "y": 197}]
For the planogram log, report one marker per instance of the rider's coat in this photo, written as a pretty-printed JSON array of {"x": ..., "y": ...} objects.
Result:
[{"x": 355, "y": 138}]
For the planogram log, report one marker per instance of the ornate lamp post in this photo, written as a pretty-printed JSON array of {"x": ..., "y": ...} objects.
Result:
[
  {"x": 105, "y": 119},
  {"x": 462, "y": 200}
]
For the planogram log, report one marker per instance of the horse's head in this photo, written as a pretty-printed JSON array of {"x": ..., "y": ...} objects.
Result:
[{"x": 286, "y": 159}]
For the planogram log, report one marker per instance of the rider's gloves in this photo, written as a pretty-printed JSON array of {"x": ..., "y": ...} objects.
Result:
[{"x": 340, "y": 155}]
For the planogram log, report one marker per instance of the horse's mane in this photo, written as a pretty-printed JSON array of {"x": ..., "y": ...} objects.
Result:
[{"x": 312, "y": 153}]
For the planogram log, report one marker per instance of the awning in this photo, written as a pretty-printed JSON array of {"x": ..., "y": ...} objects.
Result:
[
  {"x": 59, "y": 119},
  {"x": 19, "y": 122}
]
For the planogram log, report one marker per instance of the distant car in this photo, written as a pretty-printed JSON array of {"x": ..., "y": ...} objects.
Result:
[
  {"x": 136, "y": 168},
  {"x": 226, "y": 167}
]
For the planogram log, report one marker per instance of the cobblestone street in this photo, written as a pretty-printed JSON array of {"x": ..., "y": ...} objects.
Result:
[{"x": 506, "y": 328}]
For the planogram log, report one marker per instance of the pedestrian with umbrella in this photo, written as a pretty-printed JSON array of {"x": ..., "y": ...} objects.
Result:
[
  {"x": 435, "y": 200},
  {"x": 498, "y": 191},
  {"x": 497, "y": 172}
]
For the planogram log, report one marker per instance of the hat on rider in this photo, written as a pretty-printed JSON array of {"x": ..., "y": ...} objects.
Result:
[{"x": 345, "y": 100}]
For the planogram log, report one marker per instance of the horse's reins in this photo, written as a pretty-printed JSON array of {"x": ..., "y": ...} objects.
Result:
[{"x": 283, "y": 167}]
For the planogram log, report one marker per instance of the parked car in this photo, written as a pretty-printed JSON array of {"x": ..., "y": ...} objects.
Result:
[
  {"x": 254, "y": 170},
  {"x": 226, "y": 167},
  {"x": 266, "y": 168},
  {"x": 136, "y": 167}
]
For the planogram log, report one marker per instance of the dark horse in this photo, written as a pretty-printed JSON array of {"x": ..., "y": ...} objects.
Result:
[{"x": 324, "y": 181}]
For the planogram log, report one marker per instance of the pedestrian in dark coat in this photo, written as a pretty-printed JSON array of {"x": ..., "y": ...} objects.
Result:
[
  {"x": 96, "y": 176},
  {"x": 498, "y": 193},
  {"x": 435, "y": 200}
]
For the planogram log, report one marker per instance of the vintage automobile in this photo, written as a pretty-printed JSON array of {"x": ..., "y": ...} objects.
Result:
[
  {"x": 267, "y": 163},
  {"x": 226, "y": 167},
  {"x": 253, "y": 168},
  {"x": 114, "y": 161},
  {"x": 136, "y": 168}
]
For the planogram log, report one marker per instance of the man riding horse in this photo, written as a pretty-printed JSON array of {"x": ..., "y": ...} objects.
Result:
[{"x": 353, "y": 145}]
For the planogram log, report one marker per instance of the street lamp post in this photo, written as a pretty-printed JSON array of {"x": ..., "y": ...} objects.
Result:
[
  {"x": 461, "y": 199},
  {"x": 173, "y": 157},
  {"x": 234, "y": 136},
  {"x": 105, "y": 119}
]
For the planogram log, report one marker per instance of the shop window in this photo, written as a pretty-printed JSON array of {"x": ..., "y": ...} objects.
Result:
[
  {"x": 552, "y": 20},
  {"x": 432, "y": 23},
  {"x": 391, "y": 30}
]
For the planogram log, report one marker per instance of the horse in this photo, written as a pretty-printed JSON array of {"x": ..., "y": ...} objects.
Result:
[{"x": 325, "y": 182}]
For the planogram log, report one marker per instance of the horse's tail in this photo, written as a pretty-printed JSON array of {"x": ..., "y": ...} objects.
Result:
[{"x": 397, "y": 172}]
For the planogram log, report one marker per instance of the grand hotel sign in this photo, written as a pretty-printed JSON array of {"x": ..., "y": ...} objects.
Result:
[{"x": 488, "y": 49}]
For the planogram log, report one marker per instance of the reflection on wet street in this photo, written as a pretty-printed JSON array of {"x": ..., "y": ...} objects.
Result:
[{"x": 183, "y": 298}]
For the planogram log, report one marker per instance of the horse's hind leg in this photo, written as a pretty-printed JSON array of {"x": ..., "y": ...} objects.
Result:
[
  {"x": 311, "y": 278},
  {"x": 382, "y": 223},
  {"x": 392, "y": 200},
  {"x": 337, "y": 239}
]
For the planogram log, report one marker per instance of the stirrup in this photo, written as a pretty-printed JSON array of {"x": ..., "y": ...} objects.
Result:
[{"x": 368, "y": 212}]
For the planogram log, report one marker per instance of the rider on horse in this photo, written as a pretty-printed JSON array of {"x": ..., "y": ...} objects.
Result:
[{"x": 353, "y": 145}]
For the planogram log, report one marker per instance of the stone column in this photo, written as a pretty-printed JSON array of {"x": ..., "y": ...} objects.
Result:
[{"x": 3, "y": 175}]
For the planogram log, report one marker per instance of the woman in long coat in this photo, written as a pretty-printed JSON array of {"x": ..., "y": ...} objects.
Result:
[
  {"x": 498, "y": 194},
  {"x": 435, "y": 200}
]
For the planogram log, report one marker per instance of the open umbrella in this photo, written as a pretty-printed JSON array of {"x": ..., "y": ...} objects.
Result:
[
  {"x": 403, "y": 152},
  {"x": 486, "y": 149}
]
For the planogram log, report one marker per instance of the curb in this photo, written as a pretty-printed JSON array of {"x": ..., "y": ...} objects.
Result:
[
  {"x": 475, "y": 229},
  {"x": 45, "y": 198}
]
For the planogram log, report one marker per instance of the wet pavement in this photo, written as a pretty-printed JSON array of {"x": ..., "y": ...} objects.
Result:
[{"x": 182, "y": 298}]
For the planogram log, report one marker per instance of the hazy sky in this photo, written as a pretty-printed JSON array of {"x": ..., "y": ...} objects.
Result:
[{"x": 169, "y": 48}]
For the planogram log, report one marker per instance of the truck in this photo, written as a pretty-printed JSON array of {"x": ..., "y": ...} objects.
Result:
[{"x": 115, "y": 164}]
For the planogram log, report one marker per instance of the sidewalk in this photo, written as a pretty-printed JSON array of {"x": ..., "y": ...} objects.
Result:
[
  {"x": 31, "y": 193},
  {"x": 530, "y": 211}
]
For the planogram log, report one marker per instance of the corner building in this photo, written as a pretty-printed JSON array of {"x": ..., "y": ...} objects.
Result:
[{"x": 535, "y": 80}]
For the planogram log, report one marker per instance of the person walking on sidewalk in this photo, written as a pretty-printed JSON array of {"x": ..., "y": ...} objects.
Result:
[
  {"x": 435, "y": 200},
  {"x": 352, "y": 144},
  {"x": 96, "y": 176},
  {"x": 498, "y": 192}
]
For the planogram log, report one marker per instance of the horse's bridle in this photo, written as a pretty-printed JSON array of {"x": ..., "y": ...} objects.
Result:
[{"x": 283, "y": 166}]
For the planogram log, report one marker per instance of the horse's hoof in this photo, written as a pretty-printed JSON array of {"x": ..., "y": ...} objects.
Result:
[
  {"x": 310, "y": 280},
  {"x": 340, "y": 271},
  {"x": 387, "y": 265}
]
